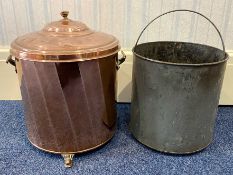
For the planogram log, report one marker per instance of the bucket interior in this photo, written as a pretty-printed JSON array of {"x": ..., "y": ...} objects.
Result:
[{"x": 180, "y": 52}]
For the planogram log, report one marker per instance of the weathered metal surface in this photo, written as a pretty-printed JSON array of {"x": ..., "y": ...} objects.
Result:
[
  {"x": 176, "y": 88},
  {"x": 69, "y": 107}
]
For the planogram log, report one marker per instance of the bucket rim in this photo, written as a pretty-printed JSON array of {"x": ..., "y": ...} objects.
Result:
[{"x": 226, "y": 57}]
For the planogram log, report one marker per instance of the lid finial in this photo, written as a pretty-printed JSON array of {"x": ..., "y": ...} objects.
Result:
[{"x": 64, "y": 14}]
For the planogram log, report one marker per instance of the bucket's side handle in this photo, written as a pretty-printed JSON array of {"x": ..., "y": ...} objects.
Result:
[
  {"x": 120, "y": 60},
  {"x": 11, "y": 61},
  {"x": 182, "y": 10}
]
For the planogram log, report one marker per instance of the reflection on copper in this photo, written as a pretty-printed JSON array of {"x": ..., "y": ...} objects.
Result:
[
  {"x": 67, "y": 75},
  {"x": 67, "y": 107}
]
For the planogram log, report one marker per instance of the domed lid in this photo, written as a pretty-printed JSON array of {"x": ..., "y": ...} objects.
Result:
[{"x": 66, "y": 41}]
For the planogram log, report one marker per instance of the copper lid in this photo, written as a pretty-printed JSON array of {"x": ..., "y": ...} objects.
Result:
[{"x": 65, "y": 41}]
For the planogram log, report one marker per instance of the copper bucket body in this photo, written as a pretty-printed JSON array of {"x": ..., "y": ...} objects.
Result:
[{"x": 66, "y": 109}]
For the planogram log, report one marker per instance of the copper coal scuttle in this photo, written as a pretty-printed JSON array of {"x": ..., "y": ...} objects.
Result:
[{"x": 67, "y": 75}]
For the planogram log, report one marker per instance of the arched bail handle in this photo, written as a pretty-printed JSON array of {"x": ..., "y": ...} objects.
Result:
[{"x": 182, "y": 10}]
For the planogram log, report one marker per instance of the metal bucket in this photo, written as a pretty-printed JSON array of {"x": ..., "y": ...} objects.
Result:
[
  {"x": 67, "y": 77},
  {"x": 176, "y": 89}
]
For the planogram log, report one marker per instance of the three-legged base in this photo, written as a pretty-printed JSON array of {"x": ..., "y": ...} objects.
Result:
[{"x": 68, "y": 156}]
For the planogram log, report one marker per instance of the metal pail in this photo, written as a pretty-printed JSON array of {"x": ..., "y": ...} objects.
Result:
[
  {"x": 176, "y": 89},
  {"x": 67, "y": 76}
]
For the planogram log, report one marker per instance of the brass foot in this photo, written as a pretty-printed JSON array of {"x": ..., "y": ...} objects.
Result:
[{"x": 68, "y": 160}]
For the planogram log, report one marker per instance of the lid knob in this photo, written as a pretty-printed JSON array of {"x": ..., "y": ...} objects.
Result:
[{"x": 64, "y": 14}]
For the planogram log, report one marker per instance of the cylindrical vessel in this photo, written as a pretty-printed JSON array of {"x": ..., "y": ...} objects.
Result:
[
  {"x": 176, "y": 89},
  {"x": 67, "y": 76},
  {"x": 69, "y": 107}
]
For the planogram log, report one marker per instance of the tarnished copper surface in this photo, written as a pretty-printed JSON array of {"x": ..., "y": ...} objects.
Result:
[{"x": 69, "y": 107}]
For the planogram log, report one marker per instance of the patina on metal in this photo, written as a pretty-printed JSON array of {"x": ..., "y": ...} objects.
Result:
[
  {"x": 67, "y": 76},
  {"x": 176, "y": 89}
]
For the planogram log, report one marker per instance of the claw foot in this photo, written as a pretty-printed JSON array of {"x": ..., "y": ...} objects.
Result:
[{"x": 68, "y": 160}]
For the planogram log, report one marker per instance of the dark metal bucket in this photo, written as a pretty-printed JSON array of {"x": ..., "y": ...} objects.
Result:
[{"x": 176, "y": 89}]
